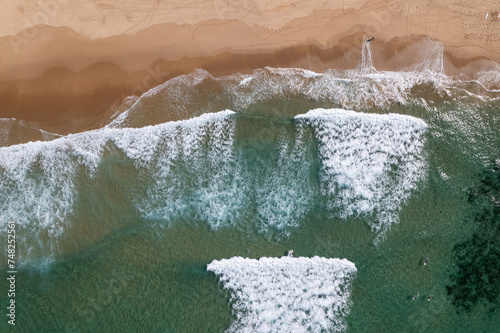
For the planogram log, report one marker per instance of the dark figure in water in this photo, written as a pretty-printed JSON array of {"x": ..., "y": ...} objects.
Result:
[
  {"x": 416, "y": 296},
  {"x": 425, "y": 262},
  {"x": 369, "y": 40},
  {"x": 428, "y": 299}
]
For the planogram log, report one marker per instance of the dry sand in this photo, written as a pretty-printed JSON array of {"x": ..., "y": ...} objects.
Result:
[{"x": 64, "y": 63}]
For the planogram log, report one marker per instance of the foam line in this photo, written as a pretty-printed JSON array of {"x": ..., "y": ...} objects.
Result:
[
  {"x": 287, "y": 294},
  {"x": 361, "y": 88}
]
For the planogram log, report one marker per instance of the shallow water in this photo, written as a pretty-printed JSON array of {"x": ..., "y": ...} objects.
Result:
[{"x": 116, "y": 227}]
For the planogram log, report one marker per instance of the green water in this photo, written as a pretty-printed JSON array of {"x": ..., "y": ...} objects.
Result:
[{"x": 122, "y": 273}]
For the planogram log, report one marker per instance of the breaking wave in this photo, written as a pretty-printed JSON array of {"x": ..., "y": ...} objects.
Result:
[
  {"x": 370, "y": 163},
  {"x": 423, "y": 82},
  {"x": 213, "y": 169},
  {"x": 287, "y": 294}
]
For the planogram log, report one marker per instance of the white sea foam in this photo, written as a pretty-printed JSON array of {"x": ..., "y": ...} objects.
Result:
[
  {"x": 190, "y": 169},
  {"x": 287, "y": 294},
  {"x": 362, "y": 88},
  {"x": 246, "y": 80},
  {"x": 178, "y": 98},
  {"x": 38, "y": 201},
  {"x": 225, "y": 183},
  {"x": 366, "y": 65},
  {"x": 490, "y": 77},
  {"x": 39, "y": 180},
  {"x": 193, "y": 177},
  {"x": 176, "y": 90},
  {"x": 350, "y": 89},
  {"x": 5, "y": 126},
  {"x": 370, "y": 163}
]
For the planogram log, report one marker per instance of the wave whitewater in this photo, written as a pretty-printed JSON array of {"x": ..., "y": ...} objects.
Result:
[
  {"x": 364, "y": 88},
  {"x": 202, "y": 170},
  {"x": 370, "y": 163},
  {"x": 211, "y": 167},
  {"x": 287, "y": 294}
]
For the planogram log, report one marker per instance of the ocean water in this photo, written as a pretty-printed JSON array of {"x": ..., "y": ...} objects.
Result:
[{"x": 154, "y": 225}]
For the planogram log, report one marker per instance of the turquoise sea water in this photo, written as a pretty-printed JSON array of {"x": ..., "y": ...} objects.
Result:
[{"x": 115, "y": 227}]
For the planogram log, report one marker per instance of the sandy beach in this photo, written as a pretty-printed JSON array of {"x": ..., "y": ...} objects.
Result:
[{"x": 65, "y": 65}]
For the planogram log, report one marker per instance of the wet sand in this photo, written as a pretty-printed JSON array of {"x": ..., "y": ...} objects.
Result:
[{"x": 68, "y": 65}]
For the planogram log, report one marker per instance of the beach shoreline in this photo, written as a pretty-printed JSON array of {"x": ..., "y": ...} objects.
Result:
[{"x": 66, "y": 73}]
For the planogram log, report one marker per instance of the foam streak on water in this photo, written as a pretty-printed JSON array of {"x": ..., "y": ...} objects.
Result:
[
  {"x": 282, "y": 190},
  {"x": 370, "y": 163},
  {"x": 287, "y": 294}
]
